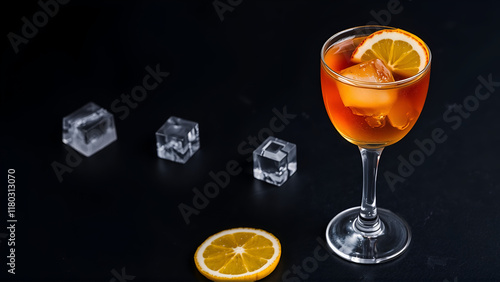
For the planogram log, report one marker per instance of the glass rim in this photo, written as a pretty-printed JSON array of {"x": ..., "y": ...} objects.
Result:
[{"x": 365, "y": 84}]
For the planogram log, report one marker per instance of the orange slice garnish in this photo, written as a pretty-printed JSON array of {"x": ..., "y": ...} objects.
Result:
[{"x": 403, "y": 53}]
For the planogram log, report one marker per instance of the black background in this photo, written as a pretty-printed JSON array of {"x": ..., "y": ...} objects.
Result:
[{"x": 119, "y": 209}]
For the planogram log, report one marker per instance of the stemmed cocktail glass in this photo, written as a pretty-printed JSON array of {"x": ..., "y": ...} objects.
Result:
[{"x": 371, "y": 115}]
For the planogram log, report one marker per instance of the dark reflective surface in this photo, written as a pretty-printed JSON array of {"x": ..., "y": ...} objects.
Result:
[{"x": 123, "y": 212}]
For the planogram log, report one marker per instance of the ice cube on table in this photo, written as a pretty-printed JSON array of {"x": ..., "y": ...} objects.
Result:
[
  {"x": 274, "y": 161},
  {"x": 89, "y": 129},
  {"x": 177, "y": 140},
  {"x": 368, "y": 101}
]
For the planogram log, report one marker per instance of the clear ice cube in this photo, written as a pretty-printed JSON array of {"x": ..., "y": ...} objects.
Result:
[
  {"x": 368, "y": 102},
  {"x": 369, "y": 71},
  {"x": 375, "y": 121},
  {"x": 274, "y": 161},
  {"x": 177, "y": 140},
  {"x": 401, "y": 114},
  {"x": 89, "y": 129}
]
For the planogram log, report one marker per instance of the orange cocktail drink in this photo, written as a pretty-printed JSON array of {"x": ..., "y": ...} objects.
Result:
[
  {"x": 368, "y": 104},
  {"x": 374, "y": 81}
]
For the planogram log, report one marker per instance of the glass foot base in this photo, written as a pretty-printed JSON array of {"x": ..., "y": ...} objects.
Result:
[{"x": 353, "y": 244}]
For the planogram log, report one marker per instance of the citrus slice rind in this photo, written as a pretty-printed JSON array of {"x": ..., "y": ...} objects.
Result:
[
  {"x": 404, "y": 53},
  {"x": 243, "y": 254}
]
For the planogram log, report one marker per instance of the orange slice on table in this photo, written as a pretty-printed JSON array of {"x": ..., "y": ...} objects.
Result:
[
  {"x": 403, "y": 53},
  {"x": 243, "y": 254}
]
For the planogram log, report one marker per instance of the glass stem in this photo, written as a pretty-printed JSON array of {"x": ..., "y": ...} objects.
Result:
[{"x": 368, "y": 220}]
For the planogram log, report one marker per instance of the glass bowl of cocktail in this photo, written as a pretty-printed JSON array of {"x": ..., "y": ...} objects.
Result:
[{"x": 374, "y": 81}]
